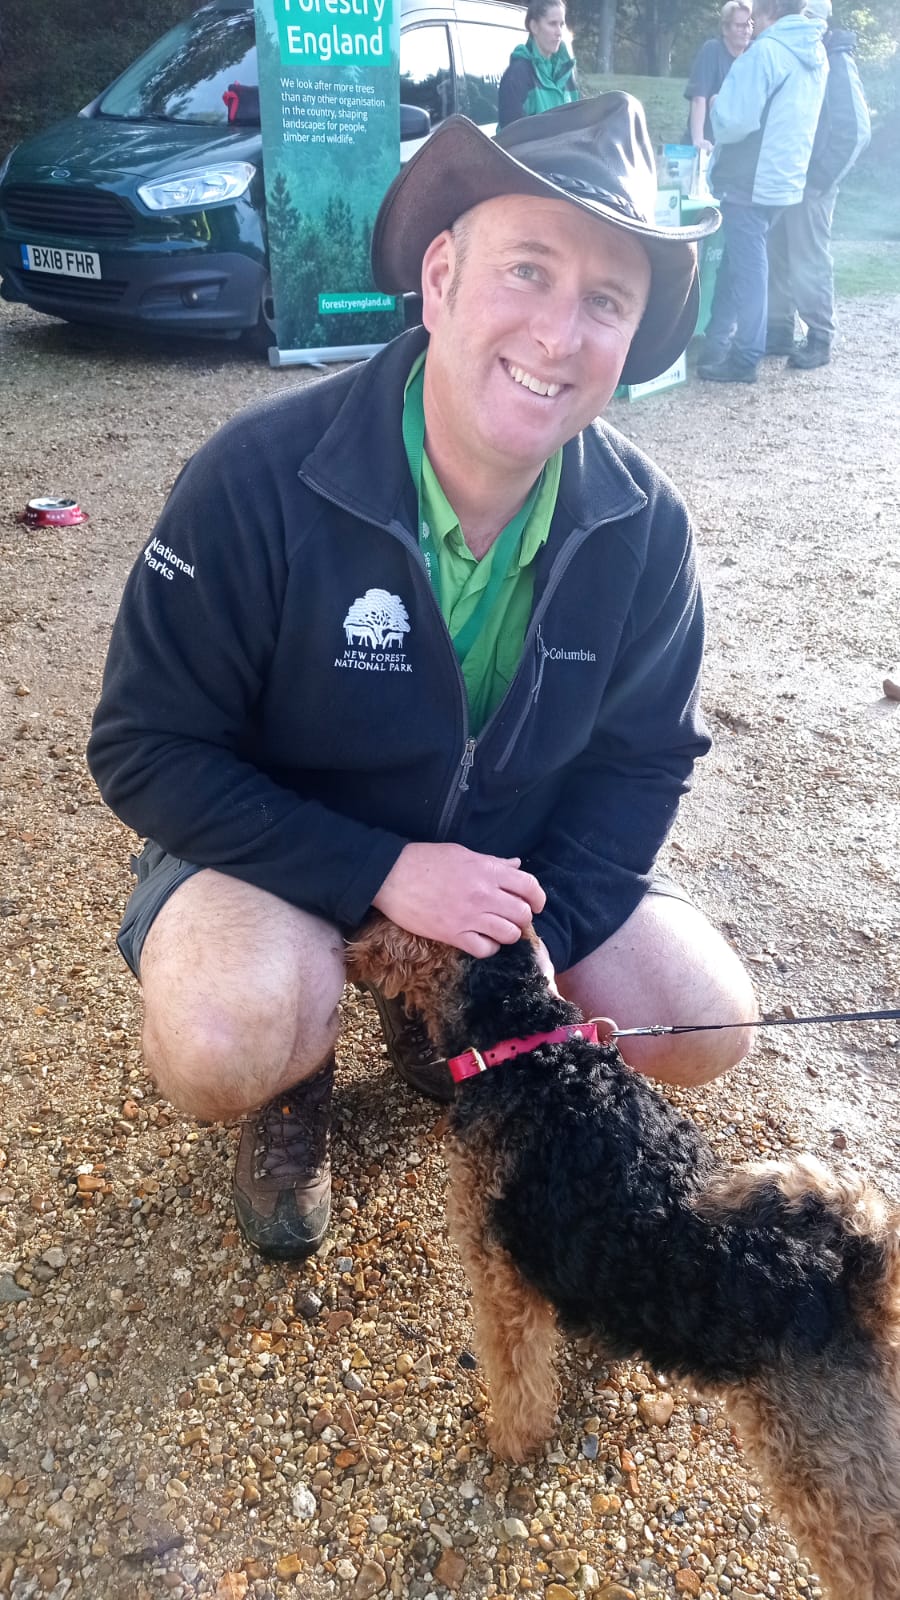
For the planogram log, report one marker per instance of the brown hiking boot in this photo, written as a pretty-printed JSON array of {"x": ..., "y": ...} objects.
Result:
[
  {"x": 282, "y": 1175},
  {"x": 411, "y": 1050}
]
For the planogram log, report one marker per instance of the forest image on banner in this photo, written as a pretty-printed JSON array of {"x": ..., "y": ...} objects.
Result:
[{"x": 330, "y": 107}]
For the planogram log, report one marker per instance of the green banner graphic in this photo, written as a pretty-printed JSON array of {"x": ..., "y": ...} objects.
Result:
[{"x": 329, "y": 89}]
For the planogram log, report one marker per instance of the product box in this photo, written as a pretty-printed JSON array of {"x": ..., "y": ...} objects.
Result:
[
  {"x": 668, "y": 208},
  {"x": 679, "y": 163},
  {"x": 676, "y": 373}
]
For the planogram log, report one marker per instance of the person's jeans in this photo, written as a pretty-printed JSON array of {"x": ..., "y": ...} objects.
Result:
[
  {"x": 801, "y": 270},
  {"x": 739, "y": 310}
]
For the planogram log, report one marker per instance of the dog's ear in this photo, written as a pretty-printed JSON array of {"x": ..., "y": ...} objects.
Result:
[
  {"x": 383, "y": 955},
  {"x": 398, "y": 962}
]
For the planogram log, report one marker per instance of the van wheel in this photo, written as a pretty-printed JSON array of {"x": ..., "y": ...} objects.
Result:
[{"x": 261, "y": 337}]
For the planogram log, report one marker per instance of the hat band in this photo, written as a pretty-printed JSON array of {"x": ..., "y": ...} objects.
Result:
[{"x": 579, "y": 188}]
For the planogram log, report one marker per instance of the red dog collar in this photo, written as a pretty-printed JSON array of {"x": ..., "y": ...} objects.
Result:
[{"x": 472, "y": 1062}]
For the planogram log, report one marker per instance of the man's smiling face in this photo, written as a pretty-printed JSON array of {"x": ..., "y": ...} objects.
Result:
[{"x": 531, "y": 305}]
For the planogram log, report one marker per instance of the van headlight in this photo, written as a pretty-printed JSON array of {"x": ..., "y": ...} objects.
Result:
[{"x": 202, "y": 187}]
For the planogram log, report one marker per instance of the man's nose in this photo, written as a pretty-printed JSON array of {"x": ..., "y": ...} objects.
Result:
[{"x": 556, "y": 326}]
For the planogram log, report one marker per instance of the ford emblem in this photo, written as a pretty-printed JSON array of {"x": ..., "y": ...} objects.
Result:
[{"x": 60, "y": 172}]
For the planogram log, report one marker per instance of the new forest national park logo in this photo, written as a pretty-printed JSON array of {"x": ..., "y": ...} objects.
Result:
[
  {"x": 375, "y": 628},
  {"x": 347, "y": 31}
]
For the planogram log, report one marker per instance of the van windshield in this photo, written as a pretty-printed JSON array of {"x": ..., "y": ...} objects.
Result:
[{"x": 195, "y": 73}]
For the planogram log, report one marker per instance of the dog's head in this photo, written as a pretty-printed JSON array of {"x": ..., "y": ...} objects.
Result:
[{"x": 463, "y": 1000}]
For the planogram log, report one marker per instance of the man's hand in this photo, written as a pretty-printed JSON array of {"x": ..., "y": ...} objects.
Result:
[{"x": 460, "y": 897}]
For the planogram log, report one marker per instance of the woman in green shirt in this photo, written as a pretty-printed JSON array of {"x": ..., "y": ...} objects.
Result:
[{"x": 541, "y": 73}]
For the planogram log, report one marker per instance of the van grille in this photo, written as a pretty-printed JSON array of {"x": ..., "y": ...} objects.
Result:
[
  {"x": 76, "y": 213},
  {"x": 53, "y": 286}
]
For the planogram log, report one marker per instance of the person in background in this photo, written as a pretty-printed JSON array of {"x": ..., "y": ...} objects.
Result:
[
  {"x": 710, "y": 68},
  {"x": 541, "y": 73},
  {"x": 801, "y": 270},
  {"x": 764, "y": 122}
]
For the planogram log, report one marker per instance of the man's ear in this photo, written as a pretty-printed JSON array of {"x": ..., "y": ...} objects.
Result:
[{"x": 437, "y": 275}]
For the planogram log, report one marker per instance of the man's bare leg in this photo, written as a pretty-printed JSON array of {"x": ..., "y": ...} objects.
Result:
[
  {"x": 668, "y": 964},
  {"x": 241, "y": 997},
  {"x": 241, "y": 992}
]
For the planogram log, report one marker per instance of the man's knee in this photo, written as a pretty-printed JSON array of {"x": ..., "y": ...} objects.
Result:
[
  {"x": 667, "y": 964},
  {"x": 219, "y": 1066},
  {"x": 241, "y": 995}
]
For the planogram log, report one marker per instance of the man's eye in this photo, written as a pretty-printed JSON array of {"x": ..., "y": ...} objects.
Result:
[{"x": 525, "y": 269}]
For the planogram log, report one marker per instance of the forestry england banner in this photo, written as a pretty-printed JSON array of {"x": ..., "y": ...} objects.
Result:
[{"x": 329, "y": 90}]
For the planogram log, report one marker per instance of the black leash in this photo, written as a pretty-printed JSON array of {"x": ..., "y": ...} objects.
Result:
[{"x": 773, "y": 1022}]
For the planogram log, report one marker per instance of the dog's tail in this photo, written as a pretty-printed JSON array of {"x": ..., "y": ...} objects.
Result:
[{"x": 823, "y": 1427}]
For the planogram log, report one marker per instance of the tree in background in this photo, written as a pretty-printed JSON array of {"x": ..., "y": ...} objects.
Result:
[
  {"x": 593, "y": 25},
  {"x": 58, "y": 54}
]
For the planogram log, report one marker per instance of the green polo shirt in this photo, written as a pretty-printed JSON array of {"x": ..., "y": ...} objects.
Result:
[{"x": 492, "y": 659}]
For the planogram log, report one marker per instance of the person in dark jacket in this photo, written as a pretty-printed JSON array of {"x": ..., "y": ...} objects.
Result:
[
  {"x": 764, "y": 121},
  {"x": 710, "y": 68},
  {"x": 541, "y": 72},
  {"x": 425, "y": 636},
  {"x": 801, "y": 270}
]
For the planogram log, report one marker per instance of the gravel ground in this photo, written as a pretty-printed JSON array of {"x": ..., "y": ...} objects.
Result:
[{"x": 179, "y": 1417}]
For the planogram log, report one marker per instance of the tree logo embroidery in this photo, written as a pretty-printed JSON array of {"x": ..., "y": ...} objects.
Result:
[{"x": 375, "y": 627}]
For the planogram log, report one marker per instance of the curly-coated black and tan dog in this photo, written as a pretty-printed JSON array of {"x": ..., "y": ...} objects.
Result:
[{"x": 580, "y": 1200}]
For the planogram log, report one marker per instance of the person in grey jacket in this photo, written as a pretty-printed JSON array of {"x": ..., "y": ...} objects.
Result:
[
  {"x": 801, "y": 270},
  {"x": 764, "y": 122},
  {"x": 426, "y": 636}
]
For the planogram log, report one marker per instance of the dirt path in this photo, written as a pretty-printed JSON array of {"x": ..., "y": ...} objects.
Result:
[{"x": 180, "y": 1419}]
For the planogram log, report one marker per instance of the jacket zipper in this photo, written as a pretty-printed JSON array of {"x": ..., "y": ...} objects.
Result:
[{"x": 556, "y": 574}]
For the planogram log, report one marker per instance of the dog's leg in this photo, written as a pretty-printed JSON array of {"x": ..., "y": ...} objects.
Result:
[
  {"x": 515, "y": 1327},
  {"x": 825, "y": 1438}
]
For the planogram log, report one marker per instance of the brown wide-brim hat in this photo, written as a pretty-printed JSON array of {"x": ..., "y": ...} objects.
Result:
[{"x": 596, "y": 154}]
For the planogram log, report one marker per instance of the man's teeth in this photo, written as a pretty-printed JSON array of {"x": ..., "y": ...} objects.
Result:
[{"x": 534, "y": 384}]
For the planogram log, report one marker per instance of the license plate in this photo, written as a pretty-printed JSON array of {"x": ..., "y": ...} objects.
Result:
[{"x": 68, "y": 263}]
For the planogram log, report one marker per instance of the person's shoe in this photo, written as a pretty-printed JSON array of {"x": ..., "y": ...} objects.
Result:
[
  {"x": 731, "y": 370},
  {"x": 779, "y": 340},
  {"x": 282, "y": 1175},
  {"x": 815, "y": 351},
  {"x": 411, "y": 1050}
]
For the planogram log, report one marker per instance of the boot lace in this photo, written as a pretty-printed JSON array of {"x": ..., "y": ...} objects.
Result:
[{"x": 292, "y": 1131}]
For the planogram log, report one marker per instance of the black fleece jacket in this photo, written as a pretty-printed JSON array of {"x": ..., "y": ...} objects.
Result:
[{"x": 282, "y": 700}]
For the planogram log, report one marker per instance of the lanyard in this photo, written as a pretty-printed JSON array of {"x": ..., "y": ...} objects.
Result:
[{"x": 505, "y": 546}]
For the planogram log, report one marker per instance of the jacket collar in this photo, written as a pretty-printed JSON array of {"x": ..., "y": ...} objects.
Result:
[{"x": 360, "y": 462}]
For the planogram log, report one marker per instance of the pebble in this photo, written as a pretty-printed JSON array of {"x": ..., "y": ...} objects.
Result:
[
  {"x": 308, "y": 1305},
  {"x": 303, "y": 1502},
  {"x": 10, "y": 1291},
  {"x": 370, "y": 1579},
  {"x": 656, "y": 1409},
  {"x": 450, "y": 1569},
  {"x": 891, "y": 684},
  {"x": 514, "y": 1528}
]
